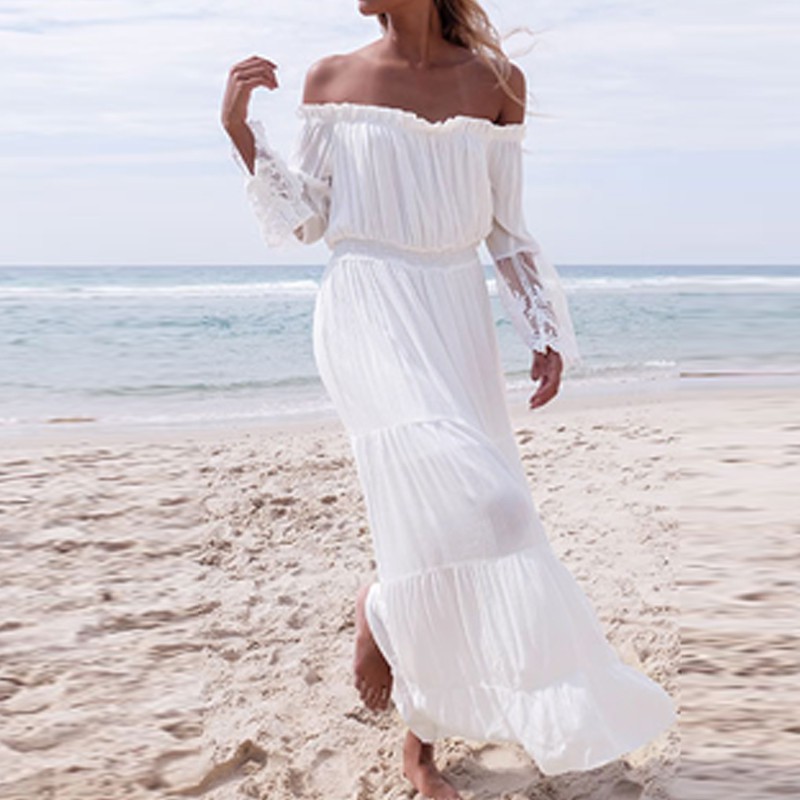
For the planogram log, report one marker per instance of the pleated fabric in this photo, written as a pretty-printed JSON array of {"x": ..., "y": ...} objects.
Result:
[{"x": 488, "y": 635}]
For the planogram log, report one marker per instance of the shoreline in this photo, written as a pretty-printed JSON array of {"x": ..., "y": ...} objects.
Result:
[{"x": 572, "y": 397}]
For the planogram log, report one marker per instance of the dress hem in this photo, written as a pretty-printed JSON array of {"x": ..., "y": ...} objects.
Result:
[{"x": 568, "y": 723}]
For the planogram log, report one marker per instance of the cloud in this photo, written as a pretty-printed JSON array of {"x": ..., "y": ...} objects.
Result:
[
  {"x": 134, "y": 86},
  {"x": 677, "y": 77},
  {"x": 143, "y": 69},
  {"x": 609, "y": 76}
]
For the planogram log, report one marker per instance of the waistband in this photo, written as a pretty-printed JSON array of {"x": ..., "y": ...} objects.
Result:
[{"x": 372, "y": 248}]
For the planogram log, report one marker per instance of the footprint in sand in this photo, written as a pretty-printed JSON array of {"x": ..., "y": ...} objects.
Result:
[
  {"x": 44, "y": 738},
  {"x": 183, "y": 729},
  {"x": 493, "y": 771},
  {"x": 286, "y": 500},
  {"x": 9, "y": 687},
  {"x": 296, "y": 620},
  {"x": 246, "y": 752},
  {"x": 625, "y": 790},
  {"x": 329, "y": 768}
]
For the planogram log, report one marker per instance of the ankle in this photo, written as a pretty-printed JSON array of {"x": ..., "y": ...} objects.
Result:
[{"x": 417, "y": 752}]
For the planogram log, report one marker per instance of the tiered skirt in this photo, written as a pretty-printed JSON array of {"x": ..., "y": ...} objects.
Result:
[{"x": 488, "y": 635}]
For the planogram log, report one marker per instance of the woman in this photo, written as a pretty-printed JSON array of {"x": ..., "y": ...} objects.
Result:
[{"x": 409, "y": 157}]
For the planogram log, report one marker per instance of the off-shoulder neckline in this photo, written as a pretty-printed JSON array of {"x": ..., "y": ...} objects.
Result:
[{"x": 346, "y": 110}]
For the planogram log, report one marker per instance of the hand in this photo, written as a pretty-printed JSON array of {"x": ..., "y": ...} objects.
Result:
[
  {"x": 546, "y": 368},
  {"x": 242, "y": 79}
]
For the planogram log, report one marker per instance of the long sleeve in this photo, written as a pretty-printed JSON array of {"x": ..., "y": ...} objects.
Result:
[
  {"x": 291, "y": 199},
  {"x": 527, "y": 283}
]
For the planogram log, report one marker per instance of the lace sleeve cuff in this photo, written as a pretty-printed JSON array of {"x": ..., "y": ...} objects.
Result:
[
  {"x": 531, "y": 293},
  {"x": 276, "y": 193}
]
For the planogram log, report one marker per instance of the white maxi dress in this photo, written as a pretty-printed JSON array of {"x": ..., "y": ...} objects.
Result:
[{"x": 487, "y": 634}]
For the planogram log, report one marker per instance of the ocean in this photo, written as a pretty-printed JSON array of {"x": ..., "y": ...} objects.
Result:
[{"x": 186, "y": 345}]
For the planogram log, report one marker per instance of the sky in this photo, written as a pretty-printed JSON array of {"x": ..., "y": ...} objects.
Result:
[{"x": 665, "y": 133}]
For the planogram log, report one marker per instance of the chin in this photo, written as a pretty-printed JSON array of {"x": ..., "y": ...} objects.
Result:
[{"x": 371, "y": 7}]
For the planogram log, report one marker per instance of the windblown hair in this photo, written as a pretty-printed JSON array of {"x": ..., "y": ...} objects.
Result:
[{"x": 465, "y": 23}]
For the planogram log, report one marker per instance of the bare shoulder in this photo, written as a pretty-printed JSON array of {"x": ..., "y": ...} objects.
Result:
[
  {"x": 513, "y": 110},
  {"x": 327, "y": 76},
  {"x": 320, "y": 76},
  {"x": 494, "y": 98}
]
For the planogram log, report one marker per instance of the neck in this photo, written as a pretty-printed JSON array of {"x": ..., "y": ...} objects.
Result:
[{"x": 414, "y": 34}]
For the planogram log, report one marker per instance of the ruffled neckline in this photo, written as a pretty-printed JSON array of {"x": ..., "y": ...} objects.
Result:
[{"x": 410, "y": 120}]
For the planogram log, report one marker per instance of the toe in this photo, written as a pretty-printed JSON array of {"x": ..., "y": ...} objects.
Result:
[{"x": 384, "y": 697}]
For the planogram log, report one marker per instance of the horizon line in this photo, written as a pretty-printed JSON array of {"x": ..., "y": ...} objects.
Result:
[{"x": 217, "y": 265}]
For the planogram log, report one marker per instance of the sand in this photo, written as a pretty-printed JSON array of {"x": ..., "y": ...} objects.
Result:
[
  {"x": 177, "y": 606},
  {"x": 739, "y": 589}
]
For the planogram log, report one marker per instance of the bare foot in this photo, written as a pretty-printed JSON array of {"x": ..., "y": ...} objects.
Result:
[
  {"x": 420, "y": 768},
  {"x": 373, "y": 677}
]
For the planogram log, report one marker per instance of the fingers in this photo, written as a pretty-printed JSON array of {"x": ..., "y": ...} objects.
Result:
[
  {"x": 257, "y": 60},
  {"x": 544, "y": 394},
  {"x": 254, "y": 71},
  {"x": 539, "y": 362},
  {"x": 547, "y": 367},
  {"x": 251, "y": 77},
  {"x": 254, "y": 61}
]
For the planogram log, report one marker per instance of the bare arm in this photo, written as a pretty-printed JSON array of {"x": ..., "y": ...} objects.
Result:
[
  {"x": 242, "y": 79},
  {"x": 253, "y": 72}
]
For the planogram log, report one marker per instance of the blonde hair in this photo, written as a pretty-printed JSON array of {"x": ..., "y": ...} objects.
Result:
[{"x": 466, "y": 24}]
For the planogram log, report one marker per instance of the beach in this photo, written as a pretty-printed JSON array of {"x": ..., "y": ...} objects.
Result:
[{"x": 178, "y": 604}]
